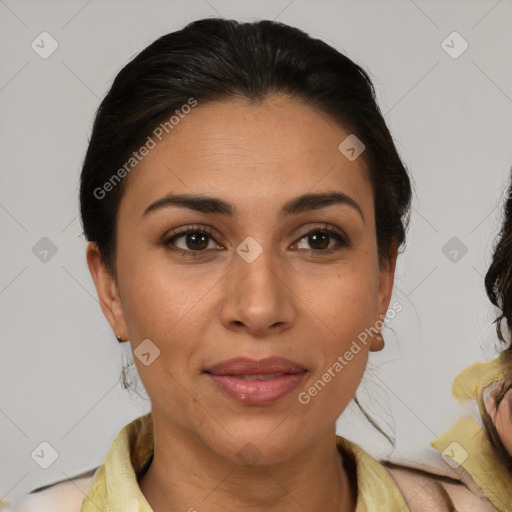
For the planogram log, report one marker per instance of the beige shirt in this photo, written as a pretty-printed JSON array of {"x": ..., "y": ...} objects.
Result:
[{"x": 114, "y": 485}]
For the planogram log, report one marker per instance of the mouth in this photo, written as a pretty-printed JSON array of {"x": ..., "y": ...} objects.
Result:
[
  {"x": 260, "y": 376},
  {"x": 256, "y": 382}
]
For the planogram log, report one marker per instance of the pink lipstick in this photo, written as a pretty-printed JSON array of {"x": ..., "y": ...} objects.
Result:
[{"x": 256, "y": 382}]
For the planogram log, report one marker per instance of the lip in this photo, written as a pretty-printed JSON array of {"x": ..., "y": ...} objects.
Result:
[
  {"x": 228, "y": 376},
  {"x": 247, "y": 366}
]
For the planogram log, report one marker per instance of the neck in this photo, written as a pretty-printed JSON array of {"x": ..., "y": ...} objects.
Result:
[{"x": 186, "y": 475}]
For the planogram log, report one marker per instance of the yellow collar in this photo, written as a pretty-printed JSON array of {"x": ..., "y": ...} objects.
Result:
[
  {"x": 115, "y": 483},
  {"x": 466, "y": 442}
]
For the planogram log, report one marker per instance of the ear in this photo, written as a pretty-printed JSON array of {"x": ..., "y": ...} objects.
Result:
[
  {"x": 107, "y": 290},
  {"x": 386, "y": 280}
]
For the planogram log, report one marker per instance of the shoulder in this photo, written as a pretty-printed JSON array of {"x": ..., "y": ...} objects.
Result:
[
  {"x": 429, "y": 492},
  {"x": 62, "y": 496}
]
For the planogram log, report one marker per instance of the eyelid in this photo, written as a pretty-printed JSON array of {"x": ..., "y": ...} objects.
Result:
[
  {"x": 192, "y": 228},
  {"x": 211, "y": 232},
  {"x": 323, "y": 226}
]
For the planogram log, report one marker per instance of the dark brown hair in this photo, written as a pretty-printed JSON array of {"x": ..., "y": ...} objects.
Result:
[
  {"x": 498, "y": 280},
  {"x": 498, "y": 285}
]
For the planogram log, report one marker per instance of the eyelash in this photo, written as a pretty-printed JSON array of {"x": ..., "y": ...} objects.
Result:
[{"x": 206, "y": 230}]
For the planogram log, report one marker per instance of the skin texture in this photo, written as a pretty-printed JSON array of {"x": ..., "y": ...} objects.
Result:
[
  {"x": 293, "y": 301},
  {"x": 502, "y": 417}
]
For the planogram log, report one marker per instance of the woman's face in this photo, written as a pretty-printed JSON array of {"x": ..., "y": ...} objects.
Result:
[{"x": 264, "y": 281}]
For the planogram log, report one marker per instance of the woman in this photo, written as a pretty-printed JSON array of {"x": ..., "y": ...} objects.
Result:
[
  {"x": 478, "y": 450},
  {"x": 497, "y": 413},
  {"x": 486, "y": 445},
  {"x": 244, "y": 205}
]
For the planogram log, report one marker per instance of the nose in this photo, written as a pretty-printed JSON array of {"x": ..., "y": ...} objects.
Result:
[{"x": 258, "y": 296}]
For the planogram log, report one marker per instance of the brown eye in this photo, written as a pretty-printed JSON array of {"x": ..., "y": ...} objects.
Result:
[
  {"x": 319, "y": 240},
  {"x": 195, "y": 241},
  {"x": 191, "y": 241}
]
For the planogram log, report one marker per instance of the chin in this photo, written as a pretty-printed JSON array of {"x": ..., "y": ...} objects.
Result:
[{"x": 257, "y": 443}]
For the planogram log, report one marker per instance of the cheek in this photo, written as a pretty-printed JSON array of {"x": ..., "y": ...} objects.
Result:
[
  {"x": 168, "y": 312},
  {"x": 164, "y": 307},
  {"x": 332, "y": 386},
  {"x": 343, "y": 314},
  {"x": 503, "y": 421},
  {"x": 158, "y": 297},
  {"x": 345, "y": 303}
]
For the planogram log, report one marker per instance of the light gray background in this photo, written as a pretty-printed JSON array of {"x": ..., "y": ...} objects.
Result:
[{"x": 452, "y": 122}]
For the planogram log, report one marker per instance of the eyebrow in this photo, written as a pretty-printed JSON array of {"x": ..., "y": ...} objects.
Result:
[{"x": 214, "y": 205}]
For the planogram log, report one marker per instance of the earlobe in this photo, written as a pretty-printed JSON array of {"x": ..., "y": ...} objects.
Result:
[
  {"x": 107, "y": 291},
  {"x": 387, "y": 277},
  {"x": 377, "y": 340}
]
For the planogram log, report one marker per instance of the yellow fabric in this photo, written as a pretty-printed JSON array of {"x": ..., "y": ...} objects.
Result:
[
  {"x": 475, "y": 453},
  {"x": 114, "y": 487},
  {"x": 376, "y": 489}
]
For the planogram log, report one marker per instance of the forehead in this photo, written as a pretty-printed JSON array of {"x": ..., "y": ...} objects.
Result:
[{"x": 249, "y": 153}]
